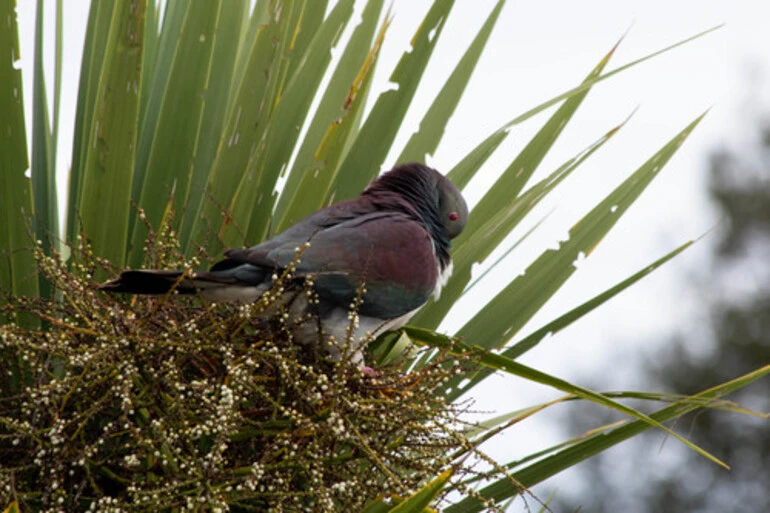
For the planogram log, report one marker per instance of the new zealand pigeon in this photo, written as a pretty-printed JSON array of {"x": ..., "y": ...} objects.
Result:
[{"x": 389, "y": 248}]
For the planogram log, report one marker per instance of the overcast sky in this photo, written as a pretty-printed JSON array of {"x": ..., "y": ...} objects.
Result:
[{"x": 539, "y": 49}]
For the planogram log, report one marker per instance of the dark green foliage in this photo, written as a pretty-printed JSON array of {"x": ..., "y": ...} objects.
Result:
[{"x": 165, "y": 403}]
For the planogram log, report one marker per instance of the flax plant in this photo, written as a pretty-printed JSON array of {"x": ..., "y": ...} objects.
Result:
[{"x": 188, "y": 114}]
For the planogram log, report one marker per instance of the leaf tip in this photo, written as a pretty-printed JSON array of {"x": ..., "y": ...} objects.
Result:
[
  {"x": 621, "y": 38},
  {"x": 620, "y": 125}
]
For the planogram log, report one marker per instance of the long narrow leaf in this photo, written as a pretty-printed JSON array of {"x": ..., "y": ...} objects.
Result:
[
  {"x": 517, "y": 303},
  {"x": 158, "y": 66},
  {"x": 216, "y": 98},
  {"x": 17, "y": 266},
  {"x": 565, "y": 320},
  {"x": 368, "y": 152},
  {"x": 109, "y": 161},
  {"x": 464, "y": 171},
  {"x": 273, "y": 153},
  {"x": 17, "y": 270},
  {"x": 13, "y": 507},
  {"x": 57, "y": 80},
  {"x": 175, "y": 141},
  {"x": 498, "y": 197},
  {"x": 552, "y": 465},
  {"x": 261, "y": 15},
  {"x": 43, "y": 165},
  {"x": 587, "y": 85},
  {"x": 501, "y": 363},
  {"x": 480, "y": 431},
  {"x": 151, "y": 50},
  {"x": 245, "y": 125},
  {"x": 501, "y": 222},
  {"x": 506, "y": 253},
  {"x": 92, "y": 63},
  {"x": 298, "y": 196},
  {"x": 426, "y": 139},
  {"x": 467, "y": 168},
  {"x": 418, "y": 502},
  {"x": 527, "y": 343},
  {"x": 315, "y": 182},
  {"x": 310, "y": 19}
]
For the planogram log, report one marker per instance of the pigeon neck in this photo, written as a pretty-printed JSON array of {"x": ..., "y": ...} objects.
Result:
[{"x": 421, "y": 207}]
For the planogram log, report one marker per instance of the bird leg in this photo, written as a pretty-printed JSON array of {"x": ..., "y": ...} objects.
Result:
[{"x": 368, "y": 371}]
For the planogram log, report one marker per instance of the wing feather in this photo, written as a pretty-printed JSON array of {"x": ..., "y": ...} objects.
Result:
[{"x": 390, "y": 253}]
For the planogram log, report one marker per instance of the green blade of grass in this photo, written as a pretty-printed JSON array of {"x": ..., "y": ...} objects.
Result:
[
  {"x": 545, "y": 468},
  {"x": 453, "y": 391},
  {"x": 175, "y": 140},
  {"x": 110, "y": 153},
  {"x": 418, "y": 502},
  {"x": 517, "y": 303},
  {"x": 43, "y": 166},
  {"x": 461, "y": 175},
  {"x": 57, "y": 77},
  {"x": 151, "y": 50},
  {"x": 466, "y": 169},
  {"x": 421, "y": 499},
  {"x": 97, "y": 32},
  {"x": 371, "y": 146},
  {"x": 497, "y": 198},
  {"x": 18, "y": 271},
  {"x": 431, "y": 129},
  {"x": 275, "y": 149},
  {"x": 216, "y": 98},
  {"x": 155, "y": 81},
  {"x": 501, "y": 363},
  {"x": 314, "y": 182},
  {"x": 299, "y": 195},
  {"x": 254, "y": 92},
  {"x": 310, "y": 19}
]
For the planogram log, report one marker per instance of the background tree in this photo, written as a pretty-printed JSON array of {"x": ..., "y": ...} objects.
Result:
[{"x": 734, "y": 291}]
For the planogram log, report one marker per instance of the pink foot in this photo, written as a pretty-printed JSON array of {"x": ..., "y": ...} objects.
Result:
[{"x": 368, "y": 371}]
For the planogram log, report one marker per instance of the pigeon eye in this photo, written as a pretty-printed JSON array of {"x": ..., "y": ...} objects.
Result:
[{"x": 453, "y": 216}]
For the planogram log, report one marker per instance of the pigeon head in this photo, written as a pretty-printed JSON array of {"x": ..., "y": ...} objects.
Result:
[
  {"x": 453, "y": 211},
  {"x": 425, "y": 193}
]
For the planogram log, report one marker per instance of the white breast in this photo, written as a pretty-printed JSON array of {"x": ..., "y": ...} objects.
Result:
[{"x": 443, "y": 278}]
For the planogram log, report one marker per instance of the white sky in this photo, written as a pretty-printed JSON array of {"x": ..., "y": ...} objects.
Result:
[{"x": 539, "y": 49}]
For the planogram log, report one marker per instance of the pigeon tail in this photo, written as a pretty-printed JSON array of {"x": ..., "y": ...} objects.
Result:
[{"x": 154, "y": 282}]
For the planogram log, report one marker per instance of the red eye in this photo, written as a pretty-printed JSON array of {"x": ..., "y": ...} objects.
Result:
[{"x": 453, "y": 216}]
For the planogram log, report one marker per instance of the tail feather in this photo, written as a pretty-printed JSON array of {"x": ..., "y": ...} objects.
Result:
[{"x": 153, "y": 282}]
